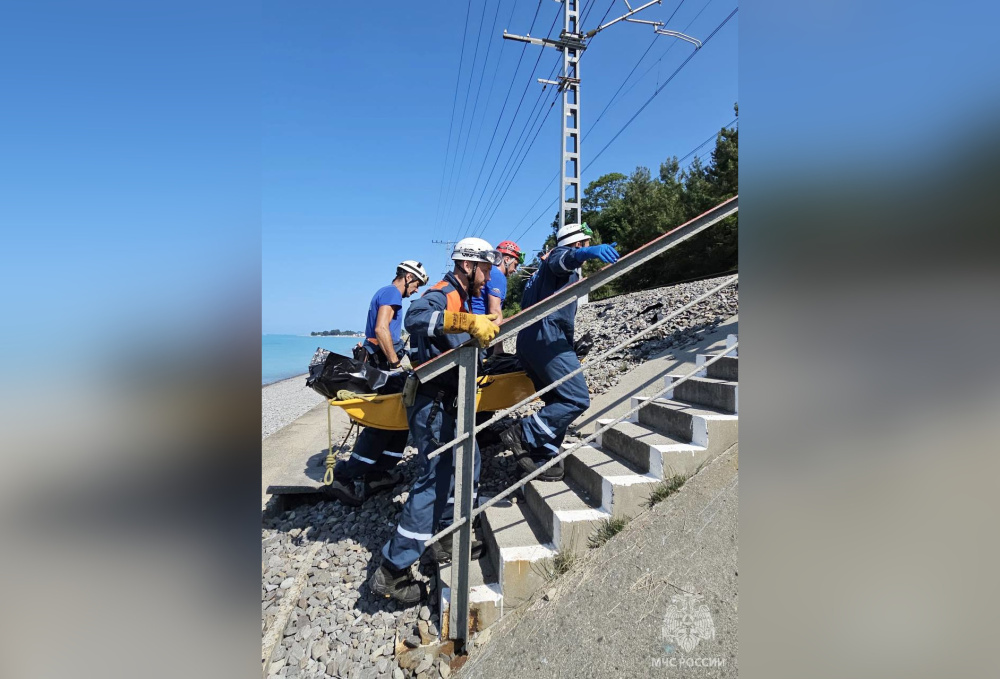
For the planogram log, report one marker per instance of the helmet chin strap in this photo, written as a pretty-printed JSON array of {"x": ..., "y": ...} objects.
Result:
[{"x": 472, "y": 275}]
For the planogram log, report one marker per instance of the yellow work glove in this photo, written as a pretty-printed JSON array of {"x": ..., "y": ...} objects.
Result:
[{"x": 480, "y": 326}]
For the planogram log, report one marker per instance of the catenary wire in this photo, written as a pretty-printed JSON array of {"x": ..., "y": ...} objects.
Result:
[
  {"x": 635, "y": 115},
  {"x": 479, "y": 88},
  {"x": 512, "y": 121},
  {"x": 610, "y": 102},
  {"x": 496, "y": 127},
  {"x": 454, "y": 105},
  {"x": 634, "y": 67},
  {"x": 505, "y": 175},
  {"x": 673, "y": 44},
  {"x": 449, "y": 199},
  {"x": 517, "y": 144}
]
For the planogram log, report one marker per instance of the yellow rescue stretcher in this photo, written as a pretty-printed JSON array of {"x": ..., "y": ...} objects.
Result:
[{"x": 494, "y": 392}]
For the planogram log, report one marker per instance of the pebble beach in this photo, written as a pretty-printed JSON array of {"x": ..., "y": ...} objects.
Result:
[{"x": 284, "y": 402}]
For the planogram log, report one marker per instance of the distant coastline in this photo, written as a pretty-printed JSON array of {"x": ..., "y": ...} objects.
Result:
[{"x": 336, "y": 333}]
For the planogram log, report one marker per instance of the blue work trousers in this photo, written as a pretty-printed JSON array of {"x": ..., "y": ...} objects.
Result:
[
  {"x": 376, "y": 450},
  {"x": 430, "y": 505},
  {"x": 546, "y": 359}
]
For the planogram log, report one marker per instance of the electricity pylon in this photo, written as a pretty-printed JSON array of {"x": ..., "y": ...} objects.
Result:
[{"x": 572, "y": 42}]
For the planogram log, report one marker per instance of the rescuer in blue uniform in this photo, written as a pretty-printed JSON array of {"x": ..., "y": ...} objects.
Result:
[
  {"x": 491, "y": 300},
  {"x": 494, "y": 293},
  {"x": 437, "y": 322},
  {"x": 545, "y": 349},
  {"x": 377, "y": 451}
]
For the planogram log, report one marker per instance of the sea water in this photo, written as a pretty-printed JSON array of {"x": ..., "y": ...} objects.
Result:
[{"x": 284, "y": 356}]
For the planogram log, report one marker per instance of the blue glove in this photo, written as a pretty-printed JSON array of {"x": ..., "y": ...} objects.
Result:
[{"x": 605, "y": 253}]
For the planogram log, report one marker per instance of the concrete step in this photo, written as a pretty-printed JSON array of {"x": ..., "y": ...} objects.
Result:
[
  {"x": 485, "y": 597},
  {"x": 705, "y": 391},
  {"x": 518, "y": 551},
  {"x": 659, "y": 455},
  {"x": 726, "y": 368},
  {"x": 567, "y": 513},
  {"x": 622, "y": 487},
  {"x": 686, "y": 422}
]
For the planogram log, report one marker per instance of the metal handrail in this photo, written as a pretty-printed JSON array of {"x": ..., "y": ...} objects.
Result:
[
  {"x": 567, "y": 295},
  {"x": 500, "y": 414},
  {"x": 576, "y": 446},
  {"x": 465, "y": 359}
]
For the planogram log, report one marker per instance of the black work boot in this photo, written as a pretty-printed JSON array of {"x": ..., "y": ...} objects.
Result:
[
  {"x": 553, "y": 473},
  {"x": 381, "y": 481},
  {"x": 345, "y": 492},
  {"x": 511, "y": 437},
  {"x": 398, "y": 584},
  {"x": 441, "y": 550},
  {"x": 514, "y": 440},
  {"x": 528, "y": 464}
]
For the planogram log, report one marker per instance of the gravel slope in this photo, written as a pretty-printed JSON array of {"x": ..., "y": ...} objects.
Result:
[{"x": 338, "y": 628}]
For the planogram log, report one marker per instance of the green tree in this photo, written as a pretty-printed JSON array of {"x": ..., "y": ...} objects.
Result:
[{"x": 635, "y": 209}]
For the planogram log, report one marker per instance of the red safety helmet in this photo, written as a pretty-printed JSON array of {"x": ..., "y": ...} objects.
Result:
[{"x": 509, "y": 247}]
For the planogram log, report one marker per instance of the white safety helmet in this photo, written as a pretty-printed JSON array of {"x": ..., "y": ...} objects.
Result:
[
  {"x": 573, "y": 233},
  {"x": 476, "y": 250},
  {"x": 416, "y": 268}
]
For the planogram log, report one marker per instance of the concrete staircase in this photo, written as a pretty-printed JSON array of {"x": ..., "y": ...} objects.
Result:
[{"x": 671, "y": 436}]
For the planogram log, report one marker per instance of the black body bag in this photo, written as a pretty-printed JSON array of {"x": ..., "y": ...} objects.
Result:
[{"x": 330, "y": 373}]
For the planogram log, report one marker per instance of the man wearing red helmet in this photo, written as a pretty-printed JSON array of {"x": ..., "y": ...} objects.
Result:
[{"x": 491, "y": 299}]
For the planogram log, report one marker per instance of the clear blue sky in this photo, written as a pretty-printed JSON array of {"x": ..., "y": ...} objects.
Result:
[
  {"x": 357, "y": 102},
  {"x": 129, "y": 167}
]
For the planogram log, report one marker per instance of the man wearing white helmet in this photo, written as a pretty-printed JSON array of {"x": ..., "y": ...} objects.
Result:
[
  {"x": 545, "y": 349},
  {"x": 382, "y": 331},
  {"x": 439, "y": 321},
  {"x": 377, "y": 451}
]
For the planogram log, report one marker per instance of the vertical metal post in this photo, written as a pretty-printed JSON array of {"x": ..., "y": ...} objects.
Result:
[
  {"x": 461, "y": 554},
  {"x": 570, "y": 151},
  {"x": 570, "y": 144},
  {"x": 572, "y": 42}
]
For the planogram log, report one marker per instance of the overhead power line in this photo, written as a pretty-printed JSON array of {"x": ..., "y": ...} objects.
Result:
[
  {"x": 489, "y": 147},
  {"x": 613, "y": 97},
  {"x": 507, "y": 173},
  {"x": 454, "y": 105},
  {"x": 506, "y": 180},
  {"x": 616, "y": 96},
  {"x": 479, "y": 87},
  {"x": 465, "y": 108},
  {"x": 486, "y": 222},
  {"x": 697, "y": 148},
  {"x": 571, "y": 43},
  {"x": 515, "y": 149},
  {"x": 660, "y": 88},
  {"x": 734, "y": 121},
  {"x": 503, "y": 145}
]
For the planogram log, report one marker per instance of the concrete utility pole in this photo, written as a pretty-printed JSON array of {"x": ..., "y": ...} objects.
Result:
[{"x": 572, "y": 42}]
